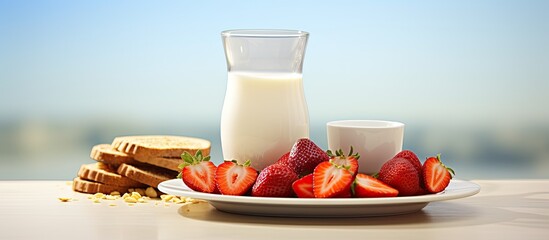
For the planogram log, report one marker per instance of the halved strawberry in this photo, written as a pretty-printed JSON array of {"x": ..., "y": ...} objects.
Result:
[
  {"x": 330, "y": 180},
  {"x": 347, "y": 193},
  {"x": 304, "y": 156},
  {"x": 197, "y": 172},
  {"x": 368, "y": 186},
  {"x": 303, "y": 187},
  {"x": 351, "y": 160},
  {"x": 235, "y": 179},
  {"x": 436, "y": 175}
]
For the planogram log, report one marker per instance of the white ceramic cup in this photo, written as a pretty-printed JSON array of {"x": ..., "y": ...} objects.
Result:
[{"x": 376, "y": 141}]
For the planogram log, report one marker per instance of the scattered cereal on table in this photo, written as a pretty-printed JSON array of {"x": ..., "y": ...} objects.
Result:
[
  {"x": 64, "y": 199},
  {"x": 150, "y": 192}
]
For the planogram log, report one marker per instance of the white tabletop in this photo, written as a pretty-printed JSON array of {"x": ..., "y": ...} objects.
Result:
[{"x": 504, "y": 209}]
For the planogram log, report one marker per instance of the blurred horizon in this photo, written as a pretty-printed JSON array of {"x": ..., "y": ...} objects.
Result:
[
  {"x": 56, "y": 149},
  {"x": 468, "y": 78}
]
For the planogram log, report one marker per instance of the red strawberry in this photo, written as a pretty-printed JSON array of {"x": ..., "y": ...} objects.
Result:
[
  {"x": 304, "y": 156},
  {"x": 303, "y": 187},
  {"x": 410, "y": 156},
  {"x": 198, "y": 173},
  {"x": 235, "y": 179},
  {"x": 347, "y": 193},
  {"x": 436, "y": 175},
  {"x": 274, "y": 181},
  {"x": 330, "y": 180},
  {"x": 350, "y": 160},
  {"x": 399, "y": 173},
  {"x": 368, "y": 186},
  {"x": 283, "y": 159}
]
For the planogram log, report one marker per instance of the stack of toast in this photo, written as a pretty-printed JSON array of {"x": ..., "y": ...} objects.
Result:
[{"x": 135, "y": 162}]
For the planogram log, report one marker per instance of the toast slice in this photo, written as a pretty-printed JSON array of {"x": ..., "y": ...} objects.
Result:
[
  {"x": 86, "y": 186},
  {"x": 107, "y": 154},
  {"x": 145, "y": 148},
  {"x": 161, "y": 151},
  {"x": 103, "y": 173},
  {"x": 171, "y": 163},
  {"x": 146, "y": 174}
]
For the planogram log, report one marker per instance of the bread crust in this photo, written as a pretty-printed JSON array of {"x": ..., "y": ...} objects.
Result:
[
  {"x": 146, "y": 174},
  {"x": 103, "y": 173},
  {"x": 150, "y": 147},
  {"x": 107, "y": 154},
  {"x": 168, "y": 163},
  {"x": 85, "y": 186}
]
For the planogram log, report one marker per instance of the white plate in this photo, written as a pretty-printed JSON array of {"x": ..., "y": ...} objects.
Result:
[{"x": 310, "y": 207}]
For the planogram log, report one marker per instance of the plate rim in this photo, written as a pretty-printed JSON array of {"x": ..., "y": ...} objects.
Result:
[{"x": 467, "y": 188}]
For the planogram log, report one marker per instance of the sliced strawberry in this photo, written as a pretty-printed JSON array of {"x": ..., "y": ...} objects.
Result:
[
  {"x": 436, "y": 175},
  {"x": 303, "y": 187},
  {"x": 330, "y": 180},
  {"x": 347, "y": 193},
  {"x": 368, "y": 186},
  {"x": 350, "y": 161},
  {"x": 274, "y": 181},
  {"x": 304, "y": 156},
  {"x": 198, "y": 173},
  {"x": 235, "y": 179}
]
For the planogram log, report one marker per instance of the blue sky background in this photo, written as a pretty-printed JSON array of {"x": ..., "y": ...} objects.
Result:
[{"x": 132, "y": 67}]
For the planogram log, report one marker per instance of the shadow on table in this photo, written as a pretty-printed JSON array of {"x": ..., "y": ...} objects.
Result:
[{"x": 476, "y": 210}]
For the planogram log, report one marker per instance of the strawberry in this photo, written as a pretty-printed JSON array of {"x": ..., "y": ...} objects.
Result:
[
  {"x": 274, "y": 181},
  {"x": 368, "y": 186},
  {"x": 399, "y": 173},
  {"x": 283, "y": 159},
  {"x": 436, "y": 175},
  {"x": 303, "y": 187},
  {"x": 197, "y": 172},
  {"x": 304, "y": 156},
  {"x": 347, "y": 193},
  {"x": 410, "y": 156},
  {"x": 350, "y": 160},
  {"x": 330, "y": 180},
  {"x": 235, "y": 179}
]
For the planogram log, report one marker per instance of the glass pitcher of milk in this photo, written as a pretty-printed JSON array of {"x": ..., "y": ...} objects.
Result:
[{"x": 264, "y": 111}]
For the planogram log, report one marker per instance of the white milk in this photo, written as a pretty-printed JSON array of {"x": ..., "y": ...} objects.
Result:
[{"x": 263, "y": 115}]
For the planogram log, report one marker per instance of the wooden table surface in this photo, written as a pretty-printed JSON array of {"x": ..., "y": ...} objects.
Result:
[{"x": 504, "y": 209}]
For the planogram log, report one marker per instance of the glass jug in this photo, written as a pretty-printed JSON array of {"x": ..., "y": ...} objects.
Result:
[{"x": 264, "y": 111}]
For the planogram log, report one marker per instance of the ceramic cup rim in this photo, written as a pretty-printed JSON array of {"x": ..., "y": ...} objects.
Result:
[{"x": 365, "y": 124}]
